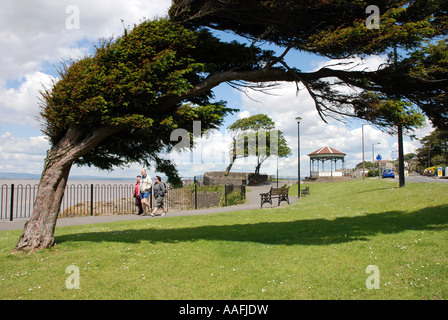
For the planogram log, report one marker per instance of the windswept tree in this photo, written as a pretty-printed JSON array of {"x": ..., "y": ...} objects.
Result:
[
  {"x": 122, "y": 104},
  {"x": 256, "y": 136}
]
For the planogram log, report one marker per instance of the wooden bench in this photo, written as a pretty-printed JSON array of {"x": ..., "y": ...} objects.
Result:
[
  {"x": 305, "y": 192},
  {"x": 280, "y": 193}
]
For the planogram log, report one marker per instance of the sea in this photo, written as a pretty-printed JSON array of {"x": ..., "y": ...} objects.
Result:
[{"x": 33, "y": 182}]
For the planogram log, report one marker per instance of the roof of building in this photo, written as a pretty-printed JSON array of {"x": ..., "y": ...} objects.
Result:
[{"x": 327, "y": 151}]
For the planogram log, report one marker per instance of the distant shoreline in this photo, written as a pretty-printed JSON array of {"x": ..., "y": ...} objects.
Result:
[
  {"x": 19, "y": 176},
  {"x": 72, "y": 181}
]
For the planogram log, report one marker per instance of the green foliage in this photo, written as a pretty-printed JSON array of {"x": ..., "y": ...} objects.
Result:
[
  {"x": 253, "y": 123},
  {"x": 259, "y": 127},
  {"x": 122, "y": 84},
  {"x": 388, "y": 113},
  {"x": 367, "y": 164},
  {"x": 256, "y": 136},
  {"x": 434, "y": 150},
  {"x": 373, "y": 173},
  {"x": 430, "y": 65},
  {"x": 337, "y": 29},
  {"x": 395, "y": 28},
  {"x": 234, "y": 198},
  {"x": 139, "y": 83}
]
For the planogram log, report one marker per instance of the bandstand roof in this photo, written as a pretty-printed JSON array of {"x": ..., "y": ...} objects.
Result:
[{"x": 327, "y": 152}]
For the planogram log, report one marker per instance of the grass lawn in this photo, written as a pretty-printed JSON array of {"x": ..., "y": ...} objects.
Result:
[{"x": 318, "y": 248}]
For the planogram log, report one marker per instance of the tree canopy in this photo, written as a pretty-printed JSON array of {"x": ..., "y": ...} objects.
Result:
[
  {"x": 334, "y": 28},
  {"x": 142, "y": 85},
  {"x": 256, "y": 136},
  {"x": 122, "y": 104},
  {"x": 337, "y": 29},
  {"x": 434, "y": 150}
]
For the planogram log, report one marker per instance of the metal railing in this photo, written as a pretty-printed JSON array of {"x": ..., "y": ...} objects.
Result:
[{"x": 17, "y": 201}]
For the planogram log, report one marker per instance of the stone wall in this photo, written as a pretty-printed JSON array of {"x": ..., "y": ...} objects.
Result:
[
  {"x": 208, "y": 199},
  {"x": 233, "y": 178},
  {"x": 219, "y": 178}
]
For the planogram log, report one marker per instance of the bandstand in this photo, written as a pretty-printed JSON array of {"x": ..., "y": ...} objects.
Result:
[{"x": 322, "y": 155}]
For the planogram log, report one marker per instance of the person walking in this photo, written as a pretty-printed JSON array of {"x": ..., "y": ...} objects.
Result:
[
  {"x": 145, "y": 192},
  {"x": 136, "y": 195},
  {"x": 159, "y": 194}
]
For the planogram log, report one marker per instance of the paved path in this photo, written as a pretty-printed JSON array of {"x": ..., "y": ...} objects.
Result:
[{"x": 253, "y": 202}]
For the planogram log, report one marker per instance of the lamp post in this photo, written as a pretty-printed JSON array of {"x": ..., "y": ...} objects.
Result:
[
  {"x": 298, "y": 119},
  {"x": 400, "y": 157},
  {"x": 363, "y": 162},
  {"x": 277, "y": 170}
]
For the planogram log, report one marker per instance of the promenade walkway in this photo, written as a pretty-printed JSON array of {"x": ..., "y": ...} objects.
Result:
[{"x": 253, "y": 202}]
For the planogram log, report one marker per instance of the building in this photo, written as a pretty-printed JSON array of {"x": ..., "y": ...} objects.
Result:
[{"x": 318, "y": 166}]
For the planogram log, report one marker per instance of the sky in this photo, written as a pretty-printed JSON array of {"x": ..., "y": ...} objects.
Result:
[{"x": 35, "y": 36}]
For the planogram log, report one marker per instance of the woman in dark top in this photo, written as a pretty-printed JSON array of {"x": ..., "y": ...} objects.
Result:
[{"x": 159, "y": 191}]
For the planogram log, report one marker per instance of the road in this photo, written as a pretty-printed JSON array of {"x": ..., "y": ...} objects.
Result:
[{"x": 423, "y": 179}]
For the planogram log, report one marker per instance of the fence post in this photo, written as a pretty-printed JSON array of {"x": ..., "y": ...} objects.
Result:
[
  {"x": 12, "y": 203},
  {"x": 225, "y": 195},
  {"x": 151, "y": 194},
  {"x": 195, "y": 196},
  {"x": 91, "y": 199}
]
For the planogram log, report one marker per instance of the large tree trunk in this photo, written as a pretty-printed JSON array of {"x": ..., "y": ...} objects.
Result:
[{"x": 39, "y": 230}]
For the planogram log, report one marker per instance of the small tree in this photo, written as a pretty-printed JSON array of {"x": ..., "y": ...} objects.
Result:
[
  {"x": 256, "y": 136},
  {"x": 367, "y": 164},
  {"x": 434, "y": 150}
]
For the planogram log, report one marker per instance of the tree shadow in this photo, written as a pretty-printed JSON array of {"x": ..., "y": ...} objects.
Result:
[{"x": 297, "y": 232}]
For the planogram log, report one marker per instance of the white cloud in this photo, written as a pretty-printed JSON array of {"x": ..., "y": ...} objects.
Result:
[
  {"x": 20, "y": 106},
  {"x": 36, "y": 30},
  {"x": 38, "y": 34},
  {"x": 35, "y": 35},
  {"x": 22, "y": 154},
  {"x": 243, "y": 114}
]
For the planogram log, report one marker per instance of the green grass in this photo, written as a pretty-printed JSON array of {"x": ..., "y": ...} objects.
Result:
[{"x": 319, "y": 248}]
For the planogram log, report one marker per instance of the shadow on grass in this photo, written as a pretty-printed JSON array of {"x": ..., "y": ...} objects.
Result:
[{"x": 301, "y": 232}]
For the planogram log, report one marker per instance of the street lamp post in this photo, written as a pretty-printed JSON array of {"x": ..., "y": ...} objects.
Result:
[
  {"x": 277, "y": 170},
  {"x": 363, "y": 161},
  {"x": 298, "y": 119},
  {"x": 400, "y": 157}
]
